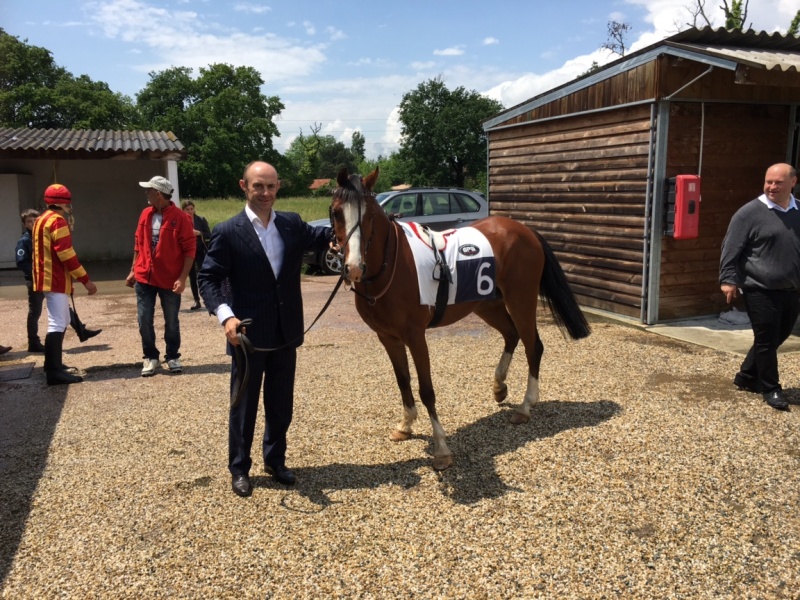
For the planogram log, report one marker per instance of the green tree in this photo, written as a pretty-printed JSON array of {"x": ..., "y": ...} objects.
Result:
[
  {"x": 442, "y": 137},
  {"x": 357, "y": 145},
  {"x": 222, "y": 118},
  {"x": 333, "y": 156},
  {"x": 36, "y": 92},
  {"x": 794, "y": 27},
  {"x": 302, "y": 158}
]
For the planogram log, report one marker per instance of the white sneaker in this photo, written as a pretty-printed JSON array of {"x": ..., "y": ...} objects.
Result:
[
  {"x": 174, "y": 365},
  {"x": 149, "y": 367}
]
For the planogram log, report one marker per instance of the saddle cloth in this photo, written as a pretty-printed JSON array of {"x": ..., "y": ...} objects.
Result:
[{"x": 468, "y": 256}]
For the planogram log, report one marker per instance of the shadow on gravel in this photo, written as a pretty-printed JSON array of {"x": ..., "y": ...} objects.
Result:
[
  {"x": 26, "y": 431},
  {"x": 473, "y": 476}
]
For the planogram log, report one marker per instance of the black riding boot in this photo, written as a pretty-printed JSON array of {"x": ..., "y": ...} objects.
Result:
[
  {"x": 35, "y": 345},
  {"x": 83, "y": 333},
  {"x": 53, "y": 368}
]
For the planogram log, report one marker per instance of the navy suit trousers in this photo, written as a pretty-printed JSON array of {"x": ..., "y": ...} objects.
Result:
[{"x": 276, "y": 370}]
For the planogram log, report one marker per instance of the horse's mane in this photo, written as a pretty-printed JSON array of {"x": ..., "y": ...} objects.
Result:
[{"x": 351, "y": 188}]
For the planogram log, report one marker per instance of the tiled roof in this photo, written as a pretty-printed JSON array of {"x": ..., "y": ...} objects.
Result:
[
  {"x": 318, "y": 183},
  {"x": 88, "y": 143}
]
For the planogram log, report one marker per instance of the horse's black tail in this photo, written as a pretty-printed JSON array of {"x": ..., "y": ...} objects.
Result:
[{"x": 555, "y": 291}]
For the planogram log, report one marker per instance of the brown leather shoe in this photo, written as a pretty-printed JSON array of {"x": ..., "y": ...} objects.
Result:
[{"x": 241, "y": 485}]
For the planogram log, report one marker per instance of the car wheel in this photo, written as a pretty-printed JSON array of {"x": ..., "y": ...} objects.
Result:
[{"x": 330, "y": 262}]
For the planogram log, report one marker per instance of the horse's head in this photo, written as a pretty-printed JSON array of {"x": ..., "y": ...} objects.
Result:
[{"x": 353, "y": 215}]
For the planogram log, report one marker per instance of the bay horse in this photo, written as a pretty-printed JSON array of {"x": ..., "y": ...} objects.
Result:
[{"x": 379, "y": 267}]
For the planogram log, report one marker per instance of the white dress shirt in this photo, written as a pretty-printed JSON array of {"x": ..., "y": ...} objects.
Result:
[{"x": 273, "y": 246}]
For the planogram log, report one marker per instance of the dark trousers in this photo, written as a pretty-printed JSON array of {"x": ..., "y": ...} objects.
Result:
[
  {"x": 35, "y": 302},
  {"x": 193, "y": 283},
  {"x": 199, "y": 257},
  {"x": 276, "y": 370},
  {"x": 772, "y": 315}
]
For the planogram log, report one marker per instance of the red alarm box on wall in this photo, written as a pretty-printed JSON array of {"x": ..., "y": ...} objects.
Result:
[{"x": 683, "y": 207}]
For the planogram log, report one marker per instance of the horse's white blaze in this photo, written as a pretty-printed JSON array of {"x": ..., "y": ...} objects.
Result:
[
  {"x": 531, "y": 396},
  {"x": 351, "y": 212},
  {"x": 409, "y": 416}
]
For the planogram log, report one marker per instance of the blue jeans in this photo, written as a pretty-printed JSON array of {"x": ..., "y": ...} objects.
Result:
[{"x": 146, "y": 308}]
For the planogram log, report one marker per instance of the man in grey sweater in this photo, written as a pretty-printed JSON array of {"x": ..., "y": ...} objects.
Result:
[{"x": 761, "y": 259}]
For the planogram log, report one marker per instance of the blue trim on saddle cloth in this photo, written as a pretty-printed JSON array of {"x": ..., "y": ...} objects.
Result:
[{"x": 468, "y": 255}]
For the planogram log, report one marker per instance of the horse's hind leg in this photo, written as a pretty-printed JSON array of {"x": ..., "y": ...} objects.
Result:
[
  {"x": 534, "y": 353},
  {"x": 396, "y": 350},
  {"x": 524, "y": 317},
  {"x": 496, "y": 316}
]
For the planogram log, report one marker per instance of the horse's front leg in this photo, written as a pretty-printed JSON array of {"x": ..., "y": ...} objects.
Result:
[
  {"x": 442, "y": 458},
  {"x": 396, "y": 350}
]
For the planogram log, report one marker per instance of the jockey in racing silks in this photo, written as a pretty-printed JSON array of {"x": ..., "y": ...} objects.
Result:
[{"x": 55, "y": 264}]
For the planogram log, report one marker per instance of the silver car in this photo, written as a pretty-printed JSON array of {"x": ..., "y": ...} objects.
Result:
[{"x": 438, "y": 208}]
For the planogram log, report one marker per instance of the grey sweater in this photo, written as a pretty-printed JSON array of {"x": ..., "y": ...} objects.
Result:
[{"x": 762, "y": 248}]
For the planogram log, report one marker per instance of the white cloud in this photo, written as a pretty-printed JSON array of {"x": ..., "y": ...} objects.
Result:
[
  {"x": 310, "y": 29},
  {"x": 489, "y": 41},
  {"x": 336, "y": 34},
  {"x": 184, "y": 39},
  {"x": 256, "y": 9},
  {"x": 511, "y": 93},
  {"x": 452, "y": 51},
  {"x": 422, "y": 66}
]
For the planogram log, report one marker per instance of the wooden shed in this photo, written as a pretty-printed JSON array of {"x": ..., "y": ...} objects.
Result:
[
  {"x": 101, "y": 168},
  {"x": 588, "y": 164}
]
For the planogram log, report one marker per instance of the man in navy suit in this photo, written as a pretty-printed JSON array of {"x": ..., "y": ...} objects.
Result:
[{"x": 260, "y": 253}]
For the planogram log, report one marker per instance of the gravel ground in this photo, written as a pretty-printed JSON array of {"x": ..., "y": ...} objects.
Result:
[{"x": 642, "y": 473}]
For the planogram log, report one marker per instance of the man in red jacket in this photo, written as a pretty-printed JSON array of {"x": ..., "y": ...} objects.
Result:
[
  {"x": 55, "y": 265},
  {"x": 163, "y": 255}
]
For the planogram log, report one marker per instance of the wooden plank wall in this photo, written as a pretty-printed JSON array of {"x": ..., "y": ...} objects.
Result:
[
  {"x": 635, "y": 85},
  {"x": 581, "y": 182},
  {"x": 740, "y": 141}
]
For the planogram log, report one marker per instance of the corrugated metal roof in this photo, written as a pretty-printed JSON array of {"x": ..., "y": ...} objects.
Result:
[
  {"x": 772, "y": 60},
  {"x": 720, "y": 47},
  {"x": 100, "y": 143}
]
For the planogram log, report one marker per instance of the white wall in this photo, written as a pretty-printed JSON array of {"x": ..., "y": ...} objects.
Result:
[
  {"x": 16, "y": 194},
  {"x": 106, "y": 200}
]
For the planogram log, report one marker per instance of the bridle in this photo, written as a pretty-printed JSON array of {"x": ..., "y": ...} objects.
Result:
[{"x": 368, "y": 281}]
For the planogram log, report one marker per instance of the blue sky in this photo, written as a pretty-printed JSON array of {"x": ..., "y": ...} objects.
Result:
[{"x": 346, "y": 65}]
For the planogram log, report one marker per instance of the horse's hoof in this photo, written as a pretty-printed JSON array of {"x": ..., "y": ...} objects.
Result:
[
  {"x": 519, "y": 418},
  {"x": 399, "y": 436},
  {"x": 442, "y": 463},
  {"x": 500, "y": 394}
]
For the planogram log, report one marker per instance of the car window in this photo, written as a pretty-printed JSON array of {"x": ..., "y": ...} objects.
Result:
[
  {"x": 402, "y": 204},
  {"x": 468, "y": 203},
  {"x": 435, "y": 203}
]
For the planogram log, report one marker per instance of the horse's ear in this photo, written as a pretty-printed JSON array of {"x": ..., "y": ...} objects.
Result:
[
  {"x": 369, "y": 180},
  {"x": 341, "y": 178}
]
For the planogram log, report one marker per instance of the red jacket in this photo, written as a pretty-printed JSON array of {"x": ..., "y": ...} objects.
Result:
[{"x": 162, "y": 267}]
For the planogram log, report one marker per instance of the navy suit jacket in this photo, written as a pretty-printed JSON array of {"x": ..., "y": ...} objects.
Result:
[{"x": 275, "y": 304}]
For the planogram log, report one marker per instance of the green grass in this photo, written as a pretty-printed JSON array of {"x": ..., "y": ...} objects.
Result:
[{"x": 216, "y": 210}]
